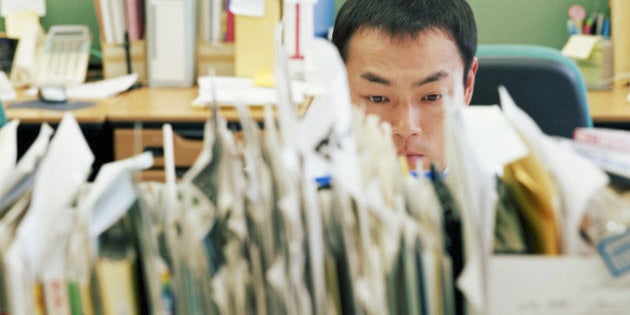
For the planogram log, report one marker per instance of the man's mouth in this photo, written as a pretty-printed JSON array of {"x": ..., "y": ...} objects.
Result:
[{"x": 413, "y": 160}]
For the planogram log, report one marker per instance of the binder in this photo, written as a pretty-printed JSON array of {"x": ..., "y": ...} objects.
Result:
[
  {"x": 135, "y": 19},
  {"x": 170, "y": 35}
]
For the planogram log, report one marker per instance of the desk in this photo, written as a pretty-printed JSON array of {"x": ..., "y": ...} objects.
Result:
[
  {"x": 108, "y": 118},
  {"x": 109, "y": 125},
  {"x": 609, "y": 108},
  {"x": 93, "y": 122},
  {"x": 151, "y": 105}
]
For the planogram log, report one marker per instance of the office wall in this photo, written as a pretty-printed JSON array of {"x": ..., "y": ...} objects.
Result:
[{"x": 540, "y": 22}]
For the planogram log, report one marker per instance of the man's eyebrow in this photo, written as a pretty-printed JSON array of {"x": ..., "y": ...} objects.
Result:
[
  {"x": 369, "y": 76},
  {"x": 375, "y": 78},
  {"x": 432, "y": 78}
]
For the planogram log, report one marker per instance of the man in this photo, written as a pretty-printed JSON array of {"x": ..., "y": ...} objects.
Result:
[{"x": 404, "y": 59}]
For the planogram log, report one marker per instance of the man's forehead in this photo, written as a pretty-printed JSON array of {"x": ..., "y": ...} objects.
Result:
[
  {"x": 380, "y": 33},
  {"x": 432, "y": 50}
]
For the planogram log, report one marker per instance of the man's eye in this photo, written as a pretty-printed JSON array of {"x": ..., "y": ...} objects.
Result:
[
  {"x": 377, "y": 99},
  {"x": 432, "y": 97}
]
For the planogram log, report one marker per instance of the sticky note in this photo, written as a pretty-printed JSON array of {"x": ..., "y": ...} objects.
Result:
[
  {"x": 264, "y": 78},
  {"x": 580, "y": 46}
]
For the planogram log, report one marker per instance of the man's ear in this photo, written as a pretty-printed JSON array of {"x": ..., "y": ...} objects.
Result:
[{"x": 470, "y": 80}]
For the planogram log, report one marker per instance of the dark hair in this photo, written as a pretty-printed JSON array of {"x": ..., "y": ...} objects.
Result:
[{"x": 409, "y": 18}]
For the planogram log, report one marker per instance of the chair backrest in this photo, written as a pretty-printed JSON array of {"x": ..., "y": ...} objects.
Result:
[{"x": 547, "y": 85}]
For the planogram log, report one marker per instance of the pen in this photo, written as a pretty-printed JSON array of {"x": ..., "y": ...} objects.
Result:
[
  {"x": 127, "y": 53},
  {"x": 572, "y": 28},
  {"x": 599, "y": 24},
  {"x": 127, "y": 45},
  {"x": 606, "y": 28},
  {"x": 588, "y": 24}
]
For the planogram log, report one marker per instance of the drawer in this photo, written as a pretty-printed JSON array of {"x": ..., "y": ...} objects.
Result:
[{"x": 129, "y": 142}]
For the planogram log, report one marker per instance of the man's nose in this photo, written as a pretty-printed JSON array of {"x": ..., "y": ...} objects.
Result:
[{"x": 407, "y": 121}]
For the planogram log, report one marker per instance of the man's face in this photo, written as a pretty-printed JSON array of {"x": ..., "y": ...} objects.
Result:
[{"x": 405, "y": 81}]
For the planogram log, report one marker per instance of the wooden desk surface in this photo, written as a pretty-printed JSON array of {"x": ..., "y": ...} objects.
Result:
[
  {"x": 156, "y": 105},
  {"x": 144, "y": 104},
  {"x": 609, "y": 105},
  {"x": 94, "y": 114}
]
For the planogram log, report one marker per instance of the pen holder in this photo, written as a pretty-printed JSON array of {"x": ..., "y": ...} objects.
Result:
[
  {"x": 115, "y": 60},
  {"x": 593, "y": 55},
  {"x": 219, "y": 56}
]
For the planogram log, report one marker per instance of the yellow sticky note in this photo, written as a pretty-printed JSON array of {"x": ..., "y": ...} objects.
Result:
[
  {"x": 16, "y": 22},
  {"x": 254, "y": 41},
  {"x": 264, "y": 78}
]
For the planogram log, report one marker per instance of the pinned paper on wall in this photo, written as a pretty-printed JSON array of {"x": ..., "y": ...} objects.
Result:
[
  {"x": 16, "y": 23},
  {"x": 37, "y": 6},
  {"x": 255, "y": 8}
]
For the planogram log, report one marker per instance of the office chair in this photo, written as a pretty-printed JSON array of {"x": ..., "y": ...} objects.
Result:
[{"x": 547, "y": 85}]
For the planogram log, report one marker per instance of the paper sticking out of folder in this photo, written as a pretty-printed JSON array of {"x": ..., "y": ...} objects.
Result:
[{"x": 493, "y": 138}]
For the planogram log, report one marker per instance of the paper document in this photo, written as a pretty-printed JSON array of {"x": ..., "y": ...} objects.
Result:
[
  {"x": 102, "y": 89},
  {"x": 254, "y": 8},
  {"x": 235, "y": 91},
  {"x": 580, "y": 46},
  {"x": 560, "y": 285}
]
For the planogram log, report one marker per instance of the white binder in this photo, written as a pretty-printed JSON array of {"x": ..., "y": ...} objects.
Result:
[{"x": 170, "y": 36}]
